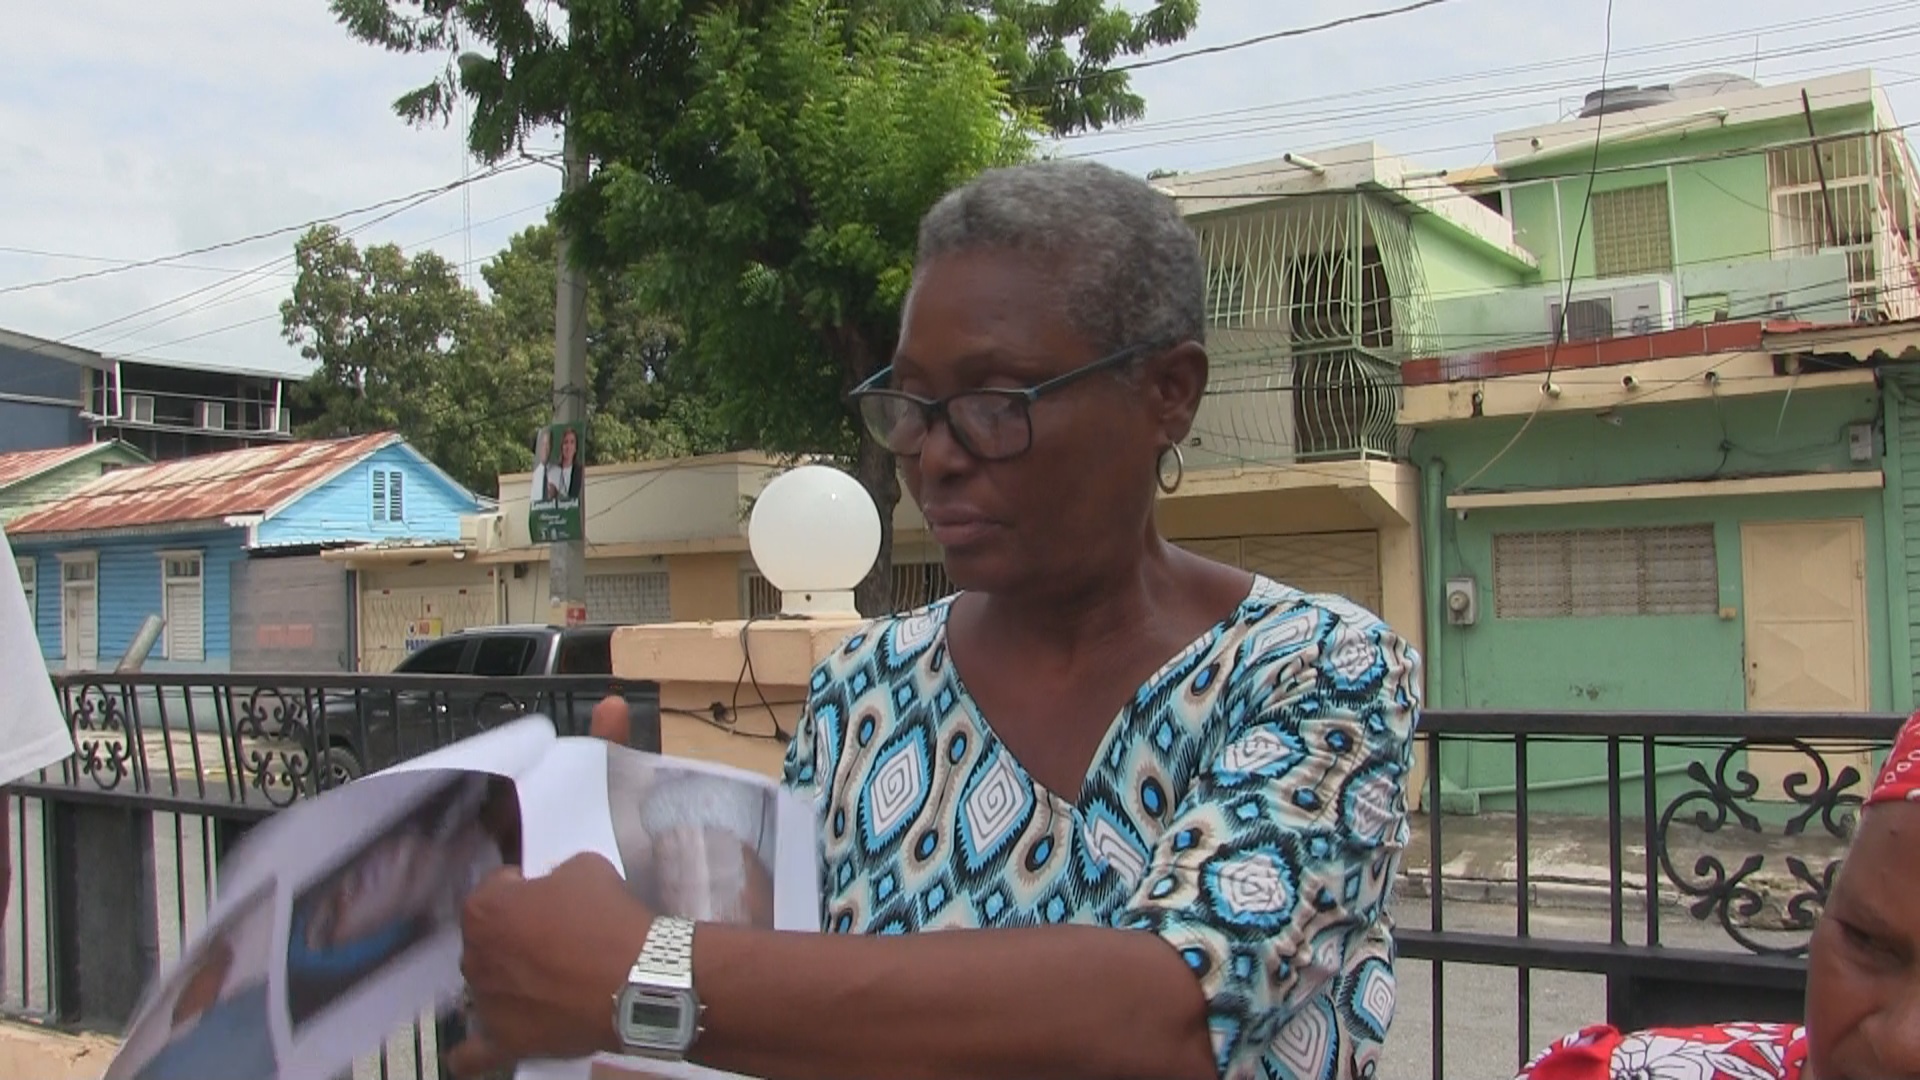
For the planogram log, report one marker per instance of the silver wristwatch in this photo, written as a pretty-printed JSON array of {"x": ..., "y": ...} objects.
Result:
[{"x": 656, "y": 1014}]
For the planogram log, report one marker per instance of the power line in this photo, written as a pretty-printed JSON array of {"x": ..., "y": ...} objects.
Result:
[
  {"x": 232, "y": 297},
  {"x": 267, "y": 235},
  {"x": 1292, "y": 107},
  {"x": 1566, "y": 299},
  {"x": 1212, "y": 50}
]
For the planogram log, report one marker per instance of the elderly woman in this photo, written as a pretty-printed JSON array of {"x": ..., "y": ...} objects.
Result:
[
  {"x": 1154, "y": 803},
  {"x": 1863, "y": 975}
]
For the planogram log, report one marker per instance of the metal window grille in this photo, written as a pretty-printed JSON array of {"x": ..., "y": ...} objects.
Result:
[
  {"x": 1591, "y": 573},
  {"x": 1632, "y": 231},
  {"x": 633, "y": 599},
  {"x": 1831, "y": 203}
]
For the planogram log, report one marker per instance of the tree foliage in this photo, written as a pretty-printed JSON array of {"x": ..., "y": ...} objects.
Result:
[
  {"x": 762, "y": 165},
  {"x": 403, "y": 345}
]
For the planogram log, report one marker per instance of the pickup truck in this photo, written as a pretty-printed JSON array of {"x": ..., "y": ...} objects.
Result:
[{"x": 472, "y": 680}]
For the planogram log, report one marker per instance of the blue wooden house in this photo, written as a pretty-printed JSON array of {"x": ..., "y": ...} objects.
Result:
[{"x": 225, "y": 549}]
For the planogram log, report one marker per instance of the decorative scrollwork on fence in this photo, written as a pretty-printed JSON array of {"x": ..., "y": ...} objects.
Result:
[
  {"x": 106, "y": 737},
  {"x": 273, "y": 739},
  {"x": 1745, "y": 900}
]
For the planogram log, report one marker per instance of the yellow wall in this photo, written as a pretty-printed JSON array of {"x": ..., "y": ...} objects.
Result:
[{"x": 705, "y": 588}]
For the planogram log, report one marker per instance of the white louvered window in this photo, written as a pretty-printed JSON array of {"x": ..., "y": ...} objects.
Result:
[
  {"x": 30, "y": 585},
  {"x": 389, "y": 496},
  {"x": 1591, "y": 573},
  {"x": 185, "y": 600}
]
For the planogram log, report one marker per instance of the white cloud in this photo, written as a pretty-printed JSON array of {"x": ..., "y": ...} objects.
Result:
[{"x": 129, "y": 131}]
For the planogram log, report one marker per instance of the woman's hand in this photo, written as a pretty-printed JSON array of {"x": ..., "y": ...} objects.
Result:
[{"x": 543, "y": 960}]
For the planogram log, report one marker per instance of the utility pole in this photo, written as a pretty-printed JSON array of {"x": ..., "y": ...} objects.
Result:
[{"x": 567, "y": 559}]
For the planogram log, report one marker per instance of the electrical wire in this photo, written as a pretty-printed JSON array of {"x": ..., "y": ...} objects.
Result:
[
  {"x": 1260, "y": 39},
  {"x": 1299, "y": 114},
  {"x": 1851, "y": 18},
  {"x": 267, "y": 235}
]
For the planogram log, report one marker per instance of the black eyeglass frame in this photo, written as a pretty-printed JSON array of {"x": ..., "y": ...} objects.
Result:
[{"x": 932, "y": 409}]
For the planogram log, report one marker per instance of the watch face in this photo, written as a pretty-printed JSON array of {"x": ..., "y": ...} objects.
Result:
[{"x": 657, "y": 1021}]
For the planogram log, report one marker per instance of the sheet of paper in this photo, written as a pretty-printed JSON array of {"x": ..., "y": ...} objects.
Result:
[
  {"x": 33, "y": 733},
  {"x": 337, "y": 920},
  {"x": 700, "y": 841}
]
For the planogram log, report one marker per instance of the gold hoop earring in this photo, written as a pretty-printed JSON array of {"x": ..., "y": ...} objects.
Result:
[{"x": 1167, "y": 486}]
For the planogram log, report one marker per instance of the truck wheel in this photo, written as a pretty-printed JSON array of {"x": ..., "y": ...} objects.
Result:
[{"x": 338, "y": 766}]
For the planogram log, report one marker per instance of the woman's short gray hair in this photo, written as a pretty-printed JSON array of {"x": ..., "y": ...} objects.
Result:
[{"x": 1130, "y": 267}]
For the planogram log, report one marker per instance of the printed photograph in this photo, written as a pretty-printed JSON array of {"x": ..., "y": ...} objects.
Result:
[
  {"x": 402, "y": 887},
  {"x": 211, "y": 1019},
  {"x": 692, "y": 844}
]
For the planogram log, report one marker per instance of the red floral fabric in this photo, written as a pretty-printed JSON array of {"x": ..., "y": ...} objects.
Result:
[{"x": 1721, "y": 1052}]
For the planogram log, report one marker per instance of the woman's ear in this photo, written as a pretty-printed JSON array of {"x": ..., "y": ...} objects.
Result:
[{"x": 1177, "y": 379}]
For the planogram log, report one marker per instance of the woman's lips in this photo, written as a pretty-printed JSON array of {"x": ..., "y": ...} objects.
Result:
[{"x": 957, "y": 528}]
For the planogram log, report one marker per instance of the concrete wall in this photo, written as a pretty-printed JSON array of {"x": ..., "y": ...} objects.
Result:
[
  {"x": 1720, "y": 208},
  {"x": 1665, "y": 662}
]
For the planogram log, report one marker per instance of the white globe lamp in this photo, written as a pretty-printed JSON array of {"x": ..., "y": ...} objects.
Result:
[{"x": 814, "y": 534}]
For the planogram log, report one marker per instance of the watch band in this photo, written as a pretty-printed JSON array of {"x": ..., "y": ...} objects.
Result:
[{"x": 667, "y": 957}]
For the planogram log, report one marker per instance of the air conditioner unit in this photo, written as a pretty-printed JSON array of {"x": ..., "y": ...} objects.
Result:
[
  {"x": 483, "y": 532},
  {"x": 1646, "y": 307},
  {"x": 140, "y": 408},
  {"x": 211, "y": 415}
]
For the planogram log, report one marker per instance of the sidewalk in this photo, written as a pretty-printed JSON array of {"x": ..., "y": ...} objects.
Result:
[{"x": 1569, "y": 867}]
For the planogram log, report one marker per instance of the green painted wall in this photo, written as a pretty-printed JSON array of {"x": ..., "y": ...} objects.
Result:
[
  {"x": 54, "y": 484},
  {"x": 1902, "y": 499},
  {"x": 1662, "y": 663},
  {"x": 1719, "y": 208}
]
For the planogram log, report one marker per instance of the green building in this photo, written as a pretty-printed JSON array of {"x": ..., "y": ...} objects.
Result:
[{"x": 1670, "y": 471}]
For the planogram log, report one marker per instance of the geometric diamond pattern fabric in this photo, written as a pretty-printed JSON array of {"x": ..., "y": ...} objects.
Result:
[{"x": 1248, "y": 805}]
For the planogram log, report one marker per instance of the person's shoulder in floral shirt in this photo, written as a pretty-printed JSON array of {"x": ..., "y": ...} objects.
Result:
[{"x": 1718, "y": 1052}]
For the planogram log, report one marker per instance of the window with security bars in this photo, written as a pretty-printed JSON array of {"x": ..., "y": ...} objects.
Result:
[
  {"x": 1632, "y": 231},
  {"x": 1827, "y": 200},
  {"x": 1227, "y": 296},
  {"x": 1590, "y": 573}
]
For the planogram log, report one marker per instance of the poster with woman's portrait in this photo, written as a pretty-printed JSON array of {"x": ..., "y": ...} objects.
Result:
[{"x": 559, "y": 481}]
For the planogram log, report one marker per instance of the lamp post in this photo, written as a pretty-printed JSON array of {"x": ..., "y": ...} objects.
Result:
[{"x": 814, "y": 534}]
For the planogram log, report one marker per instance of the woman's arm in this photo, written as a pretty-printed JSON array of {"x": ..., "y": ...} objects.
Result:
[
  {"x": 1054, "y": 1002},
  {"x": 1048, "y": 1003}
]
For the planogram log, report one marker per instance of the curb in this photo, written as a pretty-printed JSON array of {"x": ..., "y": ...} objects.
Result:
[{"x": 1551, "y": 894}]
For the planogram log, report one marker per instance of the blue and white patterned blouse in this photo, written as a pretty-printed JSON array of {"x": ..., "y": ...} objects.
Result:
[{"x": 1248, "y": 805}]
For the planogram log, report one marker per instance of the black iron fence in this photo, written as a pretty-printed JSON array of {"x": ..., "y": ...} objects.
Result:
[
  {"x": 1717, "y": 838},
  {"x": 116, "y": 853},
  {"x": 1709, "y": 844}
]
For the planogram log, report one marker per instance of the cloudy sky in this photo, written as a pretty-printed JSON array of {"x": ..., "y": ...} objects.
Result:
[{"x": 133, "y": 131}]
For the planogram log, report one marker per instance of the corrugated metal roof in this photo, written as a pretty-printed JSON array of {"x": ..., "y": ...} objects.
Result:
[
  {"x": 26, "y": 464},
  {"x": 210, "y": 487}
]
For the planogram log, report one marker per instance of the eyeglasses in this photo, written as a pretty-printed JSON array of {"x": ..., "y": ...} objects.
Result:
[{"x": 991, "y": 423}]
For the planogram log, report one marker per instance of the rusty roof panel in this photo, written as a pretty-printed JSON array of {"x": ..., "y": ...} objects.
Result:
[
  {"x": 208, "y": 487},
  {"x": 25, "y": 464}
]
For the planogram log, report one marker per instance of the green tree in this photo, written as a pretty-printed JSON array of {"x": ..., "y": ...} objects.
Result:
[
  {"x": 402, "y": 345},
  {"x": 762, "y": 165},
  {"x": 645, "y": 399}
]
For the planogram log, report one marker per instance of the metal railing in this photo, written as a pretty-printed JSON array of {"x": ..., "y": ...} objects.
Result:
[
  {"x": 1714, "y": 856},
  {"x": 1721, "y": 835},
  {"x": 115, "y": 854}
]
